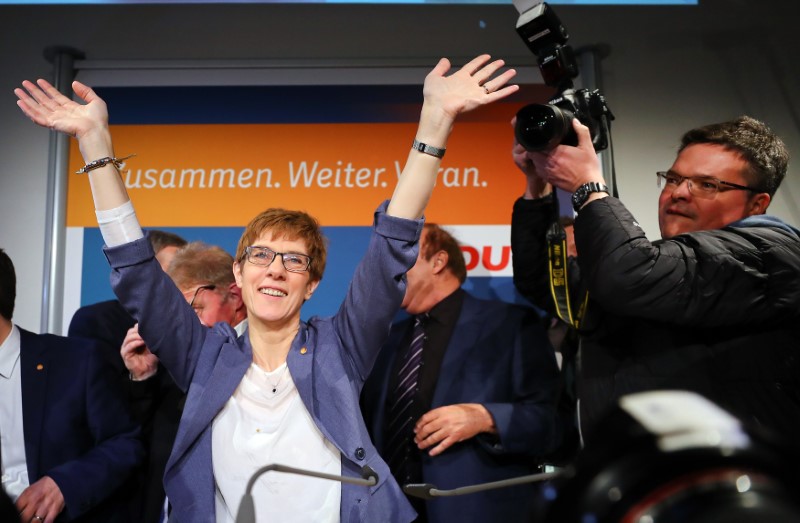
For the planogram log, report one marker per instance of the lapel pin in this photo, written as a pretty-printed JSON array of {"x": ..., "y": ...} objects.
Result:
[
  {"x": 303, "y": 350},
  {"x": 39, "y": 366}
]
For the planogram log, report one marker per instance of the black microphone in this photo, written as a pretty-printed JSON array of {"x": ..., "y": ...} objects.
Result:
[
  {"x": 247, "y": 509},
  {"x": 428, "y": 491}
]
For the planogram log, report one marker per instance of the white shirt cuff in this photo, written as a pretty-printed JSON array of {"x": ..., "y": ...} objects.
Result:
[{"x": 119, "y": 225}]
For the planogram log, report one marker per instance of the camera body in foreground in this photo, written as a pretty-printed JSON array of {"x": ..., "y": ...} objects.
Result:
[
  {"x": 543, "y": 126},
  {"x": 675, "y": 457}
]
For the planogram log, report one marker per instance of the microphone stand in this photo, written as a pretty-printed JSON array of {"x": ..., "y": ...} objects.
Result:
[
  {"x": 429, "y": 491},
  {"x": 247, "y": 509}
]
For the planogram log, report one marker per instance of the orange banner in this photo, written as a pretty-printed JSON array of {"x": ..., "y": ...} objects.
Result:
[{"x": 223, "y": 175}]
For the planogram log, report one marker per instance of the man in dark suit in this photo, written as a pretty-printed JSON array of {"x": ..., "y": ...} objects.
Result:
[
  {"x": 67, "y": 443},
  {"x": 481, "y": 405},
  {"x": 157, "y": 403},
  {"x": 107, "y": 321}
]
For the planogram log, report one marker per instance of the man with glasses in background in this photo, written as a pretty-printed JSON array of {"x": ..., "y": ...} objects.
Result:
[
  {"x": 204, "y": 274},
  {"x": 713, "y": 307}
]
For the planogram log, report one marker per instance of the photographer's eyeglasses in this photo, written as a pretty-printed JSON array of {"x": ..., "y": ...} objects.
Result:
[
  {"x": 264, "y": 256},
  {"x": 701, "y": 186}
]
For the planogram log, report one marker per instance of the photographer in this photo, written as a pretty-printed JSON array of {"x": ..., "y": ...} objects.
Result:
[{"x": 711, "y": 308}]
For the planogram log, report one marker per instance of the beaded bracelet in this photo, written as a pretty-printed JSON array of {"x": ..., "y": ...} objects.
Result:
[{"x": 96, "y": 164}]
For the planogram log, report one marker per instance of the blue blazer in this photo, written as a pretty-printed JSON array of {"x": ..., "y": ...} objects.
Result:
[
  {"x": 499, "y": 356},
  {"x": 77, "y": 427},
  {"x": 106, "y": 322},
  {"x": 329, "y": 360}
]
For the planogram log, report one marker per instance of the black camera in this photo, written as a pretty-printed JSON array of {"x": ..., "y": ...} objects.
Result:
[
  {"x": 543, "y": 126},
  {"x": 675, "y": 457}
]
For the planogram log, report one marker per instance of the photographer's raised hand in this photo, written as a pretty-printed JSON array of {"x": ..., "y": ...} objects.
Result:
[
  {"x": 568, "y": 167},
  {"x": 535, "y": 185}
]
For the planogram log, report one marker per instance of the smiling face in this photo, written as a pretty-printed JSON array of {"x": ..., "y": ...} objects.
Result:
[
  {"x": 679, "y": 211},
  {"x": 272, "y": 295}
]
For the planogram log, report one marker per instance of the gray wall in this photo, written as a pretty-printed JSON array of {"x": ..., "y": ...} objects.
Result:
[{"x": 670, "y": 68}]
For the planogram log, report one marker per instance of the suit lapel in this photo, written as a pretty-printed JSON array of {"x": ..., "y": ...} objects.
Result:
[
  {"x": 300, "y": 361},
  {"x": 229, "y": 368},
  {"x": 461, "y": 343},
  {"x": 34, "y": 365}
]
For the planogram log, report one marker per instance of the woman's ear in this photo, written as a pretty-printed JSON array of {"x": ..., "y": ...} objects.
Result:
[
  {"x": 237, "y": 273},
  {"x": 310, "y": 288}
]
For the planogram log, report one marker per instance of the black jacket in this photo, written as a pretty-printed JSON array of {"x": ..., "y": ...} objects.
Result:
[
  {"x": 716, "y": 312},
  {"x": 156, "y": 403}
]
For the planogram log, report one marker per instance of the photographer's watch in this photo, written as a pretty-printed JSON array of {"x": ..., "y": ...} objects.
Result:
[{"x": 582, "y": 193}]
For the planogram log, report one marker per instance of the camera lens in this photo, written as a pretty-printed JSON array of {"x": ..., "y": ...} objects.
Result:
[
  {"x": 722, "y": 472},
  {"x": 540, "y": 127}
]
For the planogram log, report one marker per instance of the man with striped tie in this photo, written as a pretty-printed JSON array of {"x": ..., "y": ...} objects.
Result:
[{"x": 463, "y": 392}]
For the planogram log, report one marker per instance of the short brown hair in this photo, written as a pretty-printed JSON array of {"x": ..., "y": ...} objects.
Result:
[
  {"x": 198, "y": 263},
  {"x": 293, "y": 225},
  {"x": 160, "y": 239},
  {"x": 764, "y": 152},
  {"x": 437, "y": 239}
]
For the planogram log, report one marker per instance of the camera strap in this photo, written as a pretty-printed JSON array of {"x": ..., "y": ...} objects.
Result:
[{"x": 559, "y": 278}]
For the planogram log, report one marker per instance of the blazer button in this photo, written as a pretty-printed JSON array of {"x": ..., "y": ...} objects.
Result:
[{"x": 360, "y": 454}]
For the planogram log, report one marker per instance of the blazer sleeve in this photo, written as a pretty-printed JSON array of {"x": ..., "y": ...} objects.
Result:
[
  {"x": 116, "y": 449},
  {"x": 526, "y": 424},
  {"x": 167, "y": 323},
  {"x": 377, "y": 289}
]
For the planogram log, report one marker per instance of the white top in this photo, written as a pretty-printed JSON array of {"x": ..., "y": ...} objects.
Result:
[
  {"x": 12, "y": 438},
  {"x": 259, "y": 427}
]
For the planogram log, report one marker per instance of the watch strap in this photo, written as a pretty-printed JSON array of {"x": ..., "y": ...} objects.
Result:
[
  {"x": 583, "y": 192},
  {"x": 428, "y": 149}
]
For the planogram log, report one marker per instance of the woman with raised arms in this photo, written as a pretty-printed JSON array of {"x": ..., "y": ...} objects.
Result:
[{"x": 286, "y": 391}]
